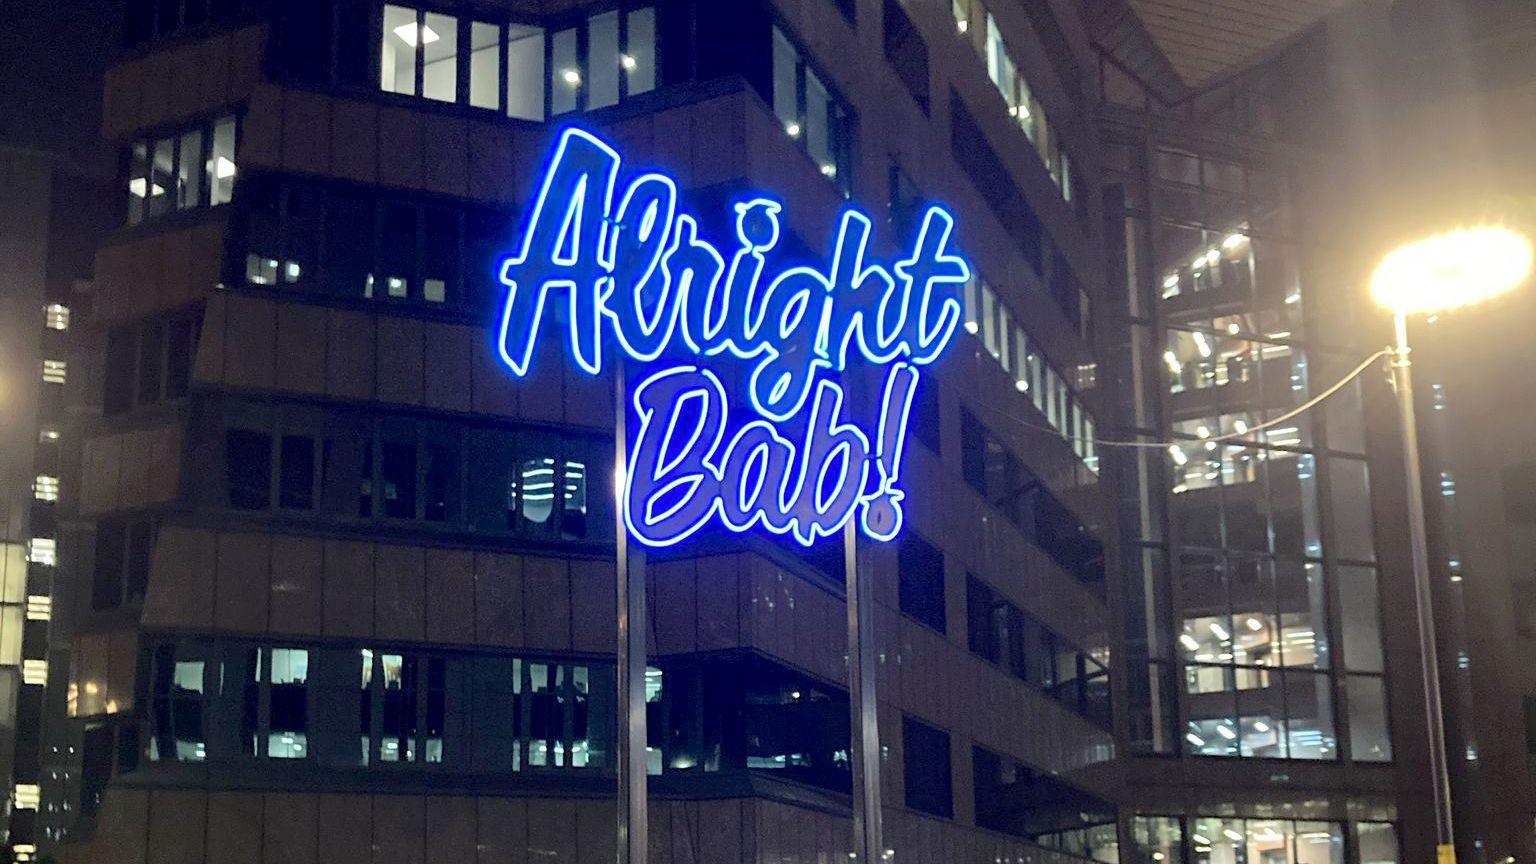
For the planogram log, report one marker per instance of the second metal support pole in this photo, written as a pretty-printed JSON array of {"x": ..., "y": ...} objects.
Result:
[{"x": 863, "y": 666}]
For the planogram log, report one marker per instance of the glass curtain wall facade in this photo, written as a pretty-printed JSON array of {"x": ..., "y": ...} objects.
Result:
[{"x": 1252, "y": 608}]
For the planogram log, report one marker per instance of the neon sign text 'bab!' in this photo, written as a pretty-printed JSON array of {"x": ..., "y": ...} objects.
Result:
[{"x": 629, "y": 269}]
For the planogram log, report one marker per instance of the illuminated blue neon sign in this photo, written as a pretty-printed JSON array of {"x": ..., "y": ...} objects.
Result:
[{"x": 628, "y": 263}]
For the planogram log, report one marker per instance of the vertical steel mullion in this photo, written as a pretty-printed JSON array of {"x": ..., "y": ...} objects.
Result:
[
  {"x": 263, "y": 703},
  {"x": 525, "y": 714},
  {"x": 375, "y": 728},
  {"x": 420, "y": 49},
  {"x": 423, "y": 693},
  {"x": 623, "y": 16},
  {"x": 567, "y": 712},
  {"x": 503, "y": 73},
  {"x": 465, "y": 47}
]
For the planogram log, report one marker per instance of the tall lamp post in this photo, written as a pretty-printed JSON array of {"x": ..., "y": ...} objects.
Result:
[{"x": 1428, "y": 276}]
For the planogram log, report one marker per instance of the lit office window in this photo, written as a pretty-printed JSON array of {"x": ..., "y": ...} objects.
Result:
[
  {"x": 42, "y": 550},
  {"x": 398, "y": 48},
  {"x": 54, "y": 371},
  {"x": 27, "y": 796},
  {"x": 39, "y": 607},
  {"x": 194, "y": 168},
  {"x": 56, "y": 316},
  {"x": 221, "y": 162},
  {"x": 596, "y": 63},
  {"x": 45, "y": 488},
  {"x": 34, "y": 672},
  {"x": 525, "y": 72},
  {"x": 178, "y": 705},
  {"x": 484, "y": 64},
  {"x": 404, "y": 708},
  {"x": 277, "y": 703}
]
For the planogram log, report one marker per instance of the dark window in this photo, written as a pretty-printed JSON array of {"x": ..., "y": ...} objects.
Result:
[
  {"x": 920, "y": 571},
  {"x": 1015, "y": 799},
  {"x": 398, "y": 474},
  {"x": 973, "y": 452},
  {"x": 147, "y": 20},
  {"x": 150, "y": 347},
  {"x": 907, "y": 53},
  {"x": 118, "y": 377},
  {"x": 296, "y": 473},
  {"x": 149, "y": 362},
  {"x": 1529, "y": 704},
  {"x": 990, "y": 177},
  {"x": 925, "y": 758},
  {"x": 995, "y": 628},
  {"x": 923, "y": 423},
  {"x": 141, "y": 545},
  {"x": 98, "y": 746},
  {"x": 181, "y": 342},
  {"x": 123, "y": 553},
  {"x": 906, "y": 205},
  {"x": 107, "y": 582},
  {"x": 994, "y": 472},
  {"x": 442, "y": 483},
  {"x": 248, "y": 468}
]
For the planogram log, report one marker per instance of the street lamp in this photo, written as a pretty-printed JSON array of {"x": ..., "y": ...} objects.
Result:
[{"x": 1438, "y": 273}]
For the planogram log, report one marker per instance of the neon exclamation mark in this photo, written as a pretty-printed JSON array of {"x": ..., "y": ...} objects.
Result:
[{"x": 883, "y": 512}]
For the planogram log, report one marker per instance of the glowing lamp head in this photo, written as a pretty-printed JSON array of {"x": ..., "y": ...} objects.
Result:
[{"x": 1457, "y": 268}]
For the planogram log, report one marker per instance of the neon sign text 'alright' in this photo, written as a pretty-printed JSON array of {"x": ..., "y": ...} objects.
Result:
[{"x": 628, "y": 268}]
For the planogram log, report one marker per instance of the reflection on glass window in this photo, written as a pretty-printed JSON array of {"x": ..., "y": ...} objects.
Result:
[
  {"x": 220, "y": 167},
  {"x": 535, "y": 489},
  {"x": 1377, "y": 842},
  {"x": 1349, "y": 501},
  {"x": 1369, "y": 734}
]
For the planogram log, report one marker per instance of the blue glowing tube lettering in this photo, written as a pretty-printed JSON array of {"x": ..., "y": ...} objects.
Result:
[{"x": 631, "y": 263}]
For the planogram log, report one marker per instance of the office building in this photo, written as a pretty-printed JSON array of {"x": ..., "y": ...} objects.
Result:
[
  {"x": 1273, "y": 702},
  {"x": 347, "y": 586}
]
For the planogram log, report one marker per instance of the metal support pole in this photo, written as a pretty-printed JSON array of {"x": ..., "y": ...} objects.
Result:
[
  {"x": 633, "y": 842},
  {"x": 863, "y": 663},
  {"x": 1439, "y": 767}
]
